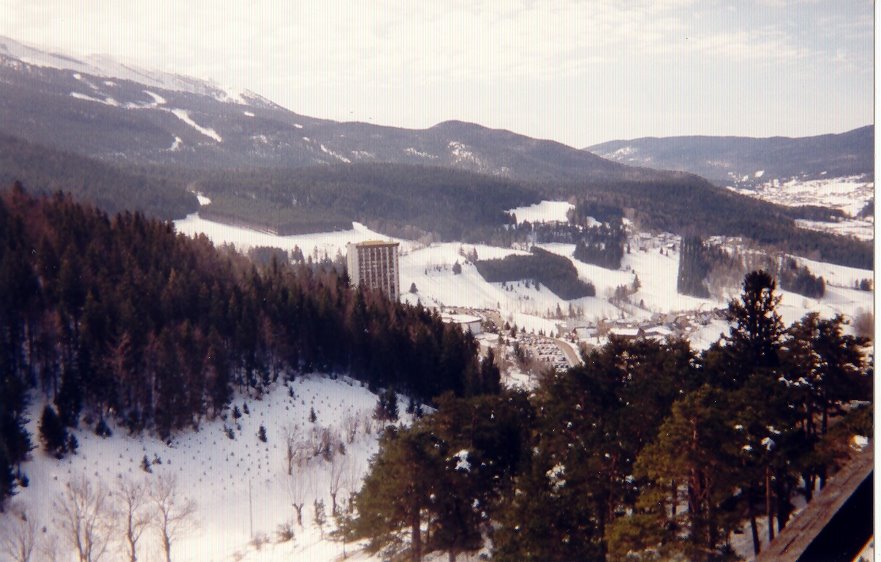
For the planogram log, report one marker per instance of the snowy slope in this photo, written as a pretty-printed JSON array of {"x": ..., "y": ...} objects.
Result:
[
  {"x": 101, "y": 65},
  {"x": 217, "y": 472}
]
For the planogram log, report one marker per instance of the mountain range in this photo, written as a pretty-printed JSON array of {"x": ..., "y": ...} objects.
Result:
[
  {"x": 123, "y": 137},
  {"x": 743, "y": 161}
]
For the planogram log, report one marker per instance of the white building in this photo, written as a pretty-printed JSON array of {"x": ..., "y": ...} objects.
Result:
[
  {"x": 467, "y": 322},
  {"x": 374, "y": 265}
]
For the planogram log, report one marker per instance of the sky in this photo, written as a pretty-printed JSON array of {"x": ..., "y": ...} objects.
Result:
[{"x": 579, "y": 72}]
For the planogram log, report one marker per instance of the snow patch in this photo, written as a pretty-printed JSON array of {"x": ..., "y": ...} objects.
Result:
[
  {"x": 623, "y": 152},
  {"x": 462, "y": 463},
  {"x": 106, "y": 101},
  {"x": 760, "y": 173},
  {"x": 556, "y": 476},
  {"x": 248, "y": 113},
  {"x": 413, "y": 152},
  {"x": 334, "y": 154},
  {"x": 184, "y": 116},
  {"x": 175, "y": 146},
  {"x": 298, "y": 126},
  {"x": 157, "y": 99}
]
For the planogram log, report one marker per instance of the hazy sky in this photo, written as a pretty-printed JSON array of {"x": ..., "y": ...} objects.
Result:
[{"x": 576, "y": 72}]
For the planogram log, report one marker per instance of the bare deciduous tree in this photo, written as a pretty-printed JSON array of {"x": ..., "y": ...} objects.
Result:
[
  {"x": 86, "y": 519},
  {"x": 174, "y": 514},
  {"x": 49, "y": 548},
  {"x": 297, "y": 486},
  {"x": 18, "y": 536},
  {"x": 350, "y": 426},
  {"x": 290, "y": 438},
  {"x": 351, "y": 480},
  {"x": 135, "y": 514},
  {"x": 337, "y": 467}
]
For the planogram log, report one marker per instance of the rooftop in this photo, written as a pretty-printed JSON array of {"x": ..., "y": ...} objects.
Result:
[{"x": 376, "y": 243}]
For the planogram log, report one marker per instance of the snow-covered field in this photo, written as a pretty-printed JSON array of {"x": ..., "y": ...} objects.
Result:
[
  {"x": 546, "y": 211},
  {"x": 221, "y": 474}
]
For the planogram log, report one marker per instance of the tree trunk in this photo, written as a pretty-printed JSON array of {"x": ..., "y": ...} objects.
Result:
[
  {"x": 784, "y": 506},
  {"x": 808, "y": 477},
  {"x": 415, "y": 537},
  {"x": 675, "y": 496},
  {"x": 451, "y": 556},
  {"x": 757, "y": 545},
  {"x": 166, "y": 546},
  {"x": 769, "y": 511}
]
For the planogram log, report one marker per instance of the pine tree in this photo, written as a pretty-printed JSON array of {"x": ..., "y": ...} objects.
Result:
[
  {"x": 757, "y": 331},
  {"x": 53, "y": 433}
]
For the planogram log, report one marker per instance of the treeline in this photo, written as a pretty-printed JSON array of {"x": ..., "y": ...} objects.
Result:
[
  {"x": 545, "y": 268},
  {"x": 703, "y": 267},
  {"x": 648, "y": 451},
  {"x": 122, "y": 318}
]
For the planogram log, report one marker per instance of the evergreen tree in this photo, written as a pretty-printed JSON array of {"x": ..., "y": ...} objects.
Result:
[
  {"x": 757, "y": 331},
  {"x": 53, "y": 433}
]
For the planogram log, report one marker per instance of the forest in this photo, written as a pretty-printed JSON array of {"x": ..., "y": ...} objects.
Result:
[
  {"x": 544, "y": 268},
  {"x": 648, "y": 451},
  {"x": 122, "y": 318}
]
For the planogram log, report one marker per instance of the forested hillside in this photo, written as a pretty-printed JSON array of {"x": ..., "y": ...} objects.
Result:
[
  {"x": 648, "y": 451},
  {"x": 119, "y": 317},
  {"x": 744, "y": 160},
  {"x": 109, "y": 187}
]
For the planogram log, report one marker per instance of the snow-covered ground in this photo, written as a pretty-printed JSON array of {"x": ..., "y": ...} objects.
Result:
[
  {"x": 431, "y": 270},
  {"x": 546, "y": 211},
  {"x": 220, "y": 474}
]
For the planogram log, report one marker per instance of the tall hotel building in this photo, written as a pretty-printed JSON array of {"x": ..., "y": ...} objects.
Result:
[{"x": 374, "y": 265}]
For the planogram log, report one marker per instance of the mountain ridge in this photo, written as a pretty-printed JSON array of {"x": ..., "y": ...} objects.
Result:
[{"x": 746, "y": 161}]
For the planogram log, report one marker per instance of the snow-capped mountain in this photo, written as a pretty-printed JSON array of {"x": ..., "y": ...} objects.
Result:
[
  {"x": 107, "y": 67},
  {"x": 98, "y": 107}
]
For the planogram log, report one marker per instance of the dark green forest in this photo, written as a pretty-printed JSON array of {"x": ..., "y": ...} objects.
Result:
[
  {"x": 120, "y": 317},
  {"x": 107, "y": 186},
  {"x": 544, "y": 268},
  {"x": 648, "y": 451}
]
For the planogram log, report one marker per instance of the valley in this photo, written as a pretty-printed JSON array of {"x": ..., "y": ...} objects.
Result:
[{"x": 645, "y": 349}]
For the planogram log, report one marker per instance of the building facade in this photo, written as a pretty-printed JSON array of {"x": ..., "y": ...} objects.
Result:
[{"x": 374, "y": 265}]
